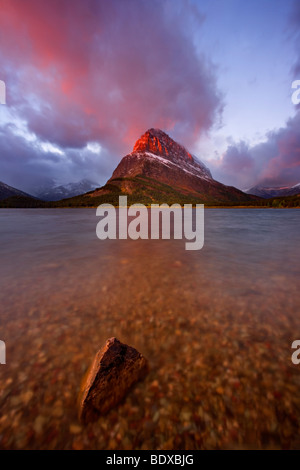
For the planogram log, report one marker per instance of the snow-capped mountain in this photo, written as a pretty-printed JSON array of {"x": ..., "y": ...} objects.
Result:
[
  {"x": 157, "y": 159},
  {"x": 268, "y": 192},
  {"x": 55, "y": 192}
]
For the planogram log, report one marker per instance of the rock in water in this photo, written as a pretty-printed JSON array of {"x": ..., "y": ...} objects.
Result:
[{"x": 115, "y": 369}]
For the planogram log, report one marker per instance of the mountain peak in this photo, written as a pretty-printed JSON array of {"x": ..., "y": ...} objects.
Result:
[
  {"x": 9, "y": 191},
  {"x": 159, "y": 143},
  {"x": 161, "y": 170},
  {"x": 156, "y": 149}
]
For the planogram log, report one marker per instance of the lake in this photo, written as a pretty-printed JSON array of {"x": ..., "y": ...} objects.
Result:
[{"x": 216, "y": 325}]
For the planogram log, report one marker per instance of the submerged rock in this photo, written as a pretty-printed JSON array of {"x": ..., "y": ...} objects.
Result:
[{"x": 115, "y": 368}]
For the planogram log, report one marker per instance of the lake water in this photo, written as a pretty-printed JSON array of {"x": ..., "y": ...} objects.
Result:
[{"x": 216, "y": 326}]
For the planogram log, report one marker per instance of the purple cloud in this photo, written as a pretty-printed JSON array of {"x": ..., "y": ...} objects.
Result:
[{"x": 106, "y": 71}]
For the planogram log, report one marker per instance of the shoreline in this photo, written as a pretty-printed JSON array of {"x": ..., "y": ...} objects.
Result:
[{"x": 149, "y": 207}]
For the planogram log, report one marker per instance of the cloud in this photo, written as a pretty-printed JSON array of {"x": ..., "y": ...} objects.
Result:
[
  {"x": 99, "y": 71},
  {"x": 29, "y": 163},
  {"x": 275, "y": 162}
]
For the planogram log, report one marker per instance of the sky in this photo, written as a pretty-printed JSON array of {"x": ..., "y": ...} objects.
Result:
[{"x": 86, "y": 78}]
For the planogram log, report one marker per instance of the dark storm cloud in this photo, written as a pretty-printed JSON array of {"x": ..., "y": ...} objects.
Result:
[
  {"x": 28, "y": 166},
  {"x": 106, "y": 71},
  {"x": 275, "y": 162}
]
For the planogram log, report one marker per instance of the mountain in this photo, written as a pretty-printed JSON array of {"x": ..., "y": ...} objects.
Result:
[
  {"x": 268, "y": 192},
  {"x": 55, "y": 192},
  {"x": 161, "y": 170},
  {"x": 8, "y": 191},
  {"x": 158, "y": 170}
]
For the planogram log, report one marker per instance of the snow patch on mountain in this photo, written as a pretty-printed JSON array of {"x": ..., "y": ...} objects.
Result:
[
  {"x": 192, "y": 169},
  {"x": 55, "y": 192}
]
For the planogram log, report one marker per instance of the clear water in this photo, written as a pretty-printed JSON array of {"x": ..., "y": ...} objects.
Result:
[{"x": 216, "y": 326}]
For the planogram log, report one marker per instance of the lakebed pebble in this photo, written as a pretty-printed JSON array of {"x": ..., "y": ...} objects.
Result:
[{"x": 219, "y": 351}]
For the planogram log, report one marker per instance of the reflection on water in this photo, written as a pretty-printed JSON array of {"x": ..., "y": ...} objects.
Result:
[{"x": 216, "y": 325}]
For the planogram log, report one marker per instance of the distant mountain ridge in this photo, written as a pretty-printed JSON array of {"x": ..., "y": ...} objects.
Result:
[
  {"x": 56, "y": 192},
  {"x": 158, "y": 170},
  {"x": 269, "y": 192},
  {"x": 9, "y": 191}
]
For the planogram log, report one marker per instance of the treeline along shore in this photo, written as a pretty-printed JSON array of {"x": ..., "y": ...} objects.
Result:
[{"x": 87, "y": 201}]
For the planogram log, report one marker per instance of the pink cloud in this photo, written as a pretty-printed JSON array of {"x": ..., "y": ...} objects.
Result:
[{"x": 107, "y": 71}]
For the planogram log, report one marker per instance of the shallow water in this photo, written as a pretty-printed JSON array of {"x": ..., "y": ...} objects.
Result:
[{"x": 216, "y": 326}]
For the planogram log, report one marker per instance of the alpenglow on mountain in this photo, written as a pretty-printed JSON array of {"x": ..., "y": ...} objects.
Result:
[{"x": 161, "y": 170}]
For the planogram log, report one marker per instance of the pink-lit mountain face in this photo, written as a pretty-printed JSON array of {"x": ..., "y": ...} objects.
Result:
[
  {"x": 155, "y": 147},
  {"x": 158, "y": 164}
]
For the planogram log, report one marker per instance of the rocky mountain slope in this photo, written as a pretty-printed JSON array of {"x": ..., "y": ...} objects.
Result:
[
  {"x": 8, "y": 191},
  {"x": 161, "y": 170}
]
